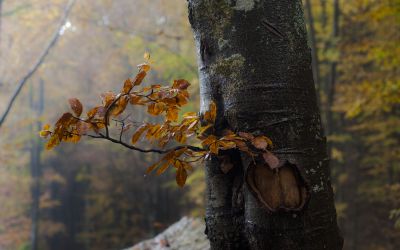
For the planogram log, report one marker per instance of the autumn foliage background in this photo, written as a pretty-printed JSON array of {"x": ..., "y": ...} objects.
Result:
[{"x": 97, "y": 195}]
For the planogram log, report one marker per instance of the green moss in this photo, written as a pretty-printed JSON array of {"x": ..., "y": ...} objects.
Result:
[{"x": 229, "y": 67}]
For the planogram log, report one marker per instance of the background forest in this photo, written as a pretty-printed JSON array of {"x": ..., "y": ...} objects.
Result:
[{"x": 96, "y": 195}]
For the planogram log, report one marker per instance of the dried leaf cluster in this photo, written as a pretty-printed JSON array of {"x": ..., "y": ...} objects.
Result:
[{"x": 163, "y": 101}]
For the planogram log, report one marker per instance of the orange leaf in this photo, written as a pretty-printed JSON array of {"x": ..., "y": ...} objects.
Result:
[
  {"x": 108, "y": 98},
  {"x": 163, "y": 167},
  {"x": 172, "y": 113},
  {"x": 152, "y": 167},
  {"x": 128, "y": 85},
  {"x": 144, "y": 67},
  {"x": 211, "y": 114},
  {"x": 138, "y": 133},
  {"x": 136, "y": 100},
  {"x": 181, "y": 176},
  {"x": 181, "y": 84},
  {"x": 214, "y": 148},
  {"x": 76, "y": 106},
  {"x": 156, "y": 108},
  {"x": 92, "y": 113},
  {"x": 139, "y": 78},
  {"x": 54, "y": 141}
]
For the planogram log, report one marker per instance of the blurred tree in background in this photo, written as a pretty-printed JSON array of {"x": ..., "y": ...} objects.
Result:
[{"x": 95, "y": 196}]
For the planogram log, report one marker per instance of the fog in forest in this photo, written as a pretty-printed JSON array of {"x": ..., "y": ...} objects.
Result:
[{"x": 96, "y": 194}]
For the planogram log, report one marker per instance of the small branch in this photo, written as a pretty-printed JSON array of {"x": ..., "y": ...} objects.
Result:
[
  {"x": 39, "y": 62},
  {"x": 158, "y": 151}
]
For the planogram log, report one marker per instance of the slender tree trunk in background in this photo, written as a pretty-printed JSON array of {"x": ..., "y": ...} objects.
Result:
[
  {"x": 324, "y": 15},
  {"x": 314, "y": 51},
  {"x": 254, "y": 63},
  {"x": 35, "y": 164},
  {"x": 332, "y": 76}
]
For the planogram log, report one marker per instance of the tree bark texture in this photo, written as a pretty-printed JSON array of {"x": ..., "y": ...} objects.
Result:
[{"x": 255, "y": 64}]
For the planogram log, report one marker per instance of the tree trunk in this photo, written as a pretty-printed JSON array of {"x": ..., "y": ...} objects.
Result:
[{"x": 255, "y": 64}]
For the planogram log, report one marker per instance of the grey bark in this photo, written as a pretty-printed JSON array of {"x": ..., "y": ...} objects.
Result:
[{"x": 255, "y": 64}]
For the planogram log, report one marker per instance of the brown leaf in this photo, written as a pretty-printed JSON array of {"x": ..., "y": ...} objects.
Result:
[
  {"x": 181, "y": 176},
  {"x": 163, "y": 167},
  {"x": 108, "y": 98},
  {"x": 139, "y": 78},
  {"x": 261, "y": 142},
  {"x": 138, "y": 133},
  {"x": 245, "y": 135},
  {"x": 271, "y": 160},
  {"x": 128, "y": 85},
  {"x": 181, "y": 84},
  {"x": 172, "y": 113},
  {"x": 211, "y": 114},
  {"x": 152, "y": 167},
  {"x": 76, "y": 106}
]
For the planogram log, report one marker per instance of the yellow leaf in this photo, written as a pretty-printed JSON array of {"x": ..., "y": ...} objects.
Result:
[
  {"x": 146, "y": 56},
  {"x": 46, "y": 127},
  {"x": 44, "y": 133}
]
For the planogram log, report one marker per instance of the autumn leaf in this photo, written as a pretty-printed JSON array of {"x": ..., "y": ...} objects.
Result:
[
  {"x": 261, "y": 142},
  {"x": 108, "y": 98},
  {"x": 172, "y": 114},
  {"x": 146, "y": 56},
  {"x": 138, "y": 133},
  {"x": 54, "y": 141},
  {"x": 44, "y": 133},
  {"x": 128, "y": 85},
  {"x": 152, "y": 167},
  {"x": 139, "y": 78},
  {"x": 76, "y": 106},
  {"x": 211, "y": 114},
  {"x": 181, "y": 176},
  {"x": 271, "y": 160}
]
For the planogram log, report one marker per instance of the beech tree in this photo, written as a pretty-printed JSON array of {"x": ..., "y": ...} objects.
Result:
[
  {"x": 255, "y": 63},
  {"x": 267, "y": 172}
]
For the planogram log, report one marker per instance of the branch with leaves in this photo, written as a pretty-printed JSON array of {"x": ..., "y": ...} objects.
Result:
[{"x": 164, "y": 101}]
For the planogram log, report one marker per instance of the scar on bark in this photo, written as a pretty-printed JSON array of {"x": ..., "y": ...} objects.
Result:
[
  {"x": 269, "y": 26},
  {"x": 279, "y": 189}
]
